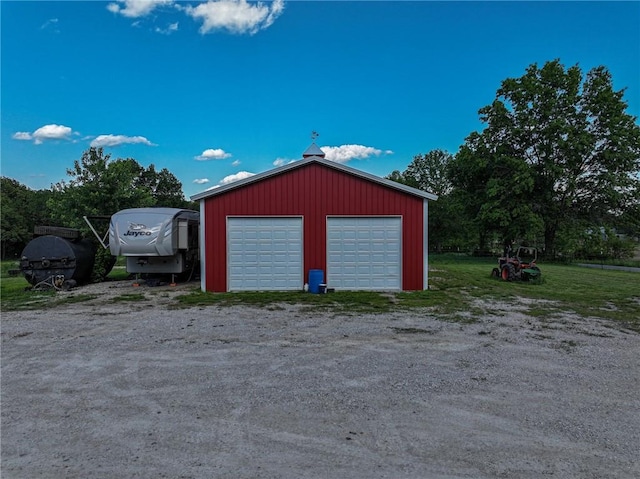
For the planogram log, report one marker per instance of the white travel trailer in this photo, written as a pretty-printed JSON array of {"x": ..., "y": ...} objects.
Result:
[{"x": 156, "y": 240}]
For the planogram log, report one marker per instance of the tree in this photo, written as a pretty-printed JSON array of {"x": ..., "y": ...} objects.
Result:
[
  {"x": 559, "y": 149},
  {"x": 164, "y": 187},
  {"x": 495, "y": 187},
  {"x": 22, "y": 209},
  {"x": 398, "y": 177},
  {"x": 100, "y": 186},
  {"x": 429, "y": 172}
]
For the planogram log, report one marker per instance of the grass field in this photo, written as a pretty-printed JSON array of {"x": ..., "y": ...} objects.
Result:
[{"x": 460, "y": 286}]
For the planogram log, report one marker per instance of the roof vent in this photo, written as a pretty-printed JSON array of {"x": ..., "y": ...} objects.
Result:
[{"x": 313, "y": 149}]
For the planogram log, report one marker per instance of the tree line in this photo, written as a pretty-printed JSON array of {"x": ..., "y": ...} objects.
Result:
[{"x": 557, "y": 166}]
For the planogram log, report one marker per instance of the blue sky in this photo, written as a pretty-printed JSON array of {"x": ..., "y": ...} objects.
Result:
[{"x": 222, "y": 89}]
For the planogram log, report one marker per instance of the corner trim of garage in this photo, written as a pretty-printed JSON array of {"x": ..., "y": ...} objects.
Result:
[
  {"x": 202, "y": 250},
  {"x": 425, "y": 243}
]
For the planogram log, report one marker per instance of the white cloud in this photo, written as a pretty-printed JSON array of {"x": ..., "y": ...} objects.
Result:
[
  {"x": 238, "y": 176},
  {"x": 236, "y": 163},
  {"x": 115, "y": 140},
  {"x": 136, "y": 8},
  {"x": 173, "y": 27},
  {"x": 51, "y": 24},
  {"x": 282, "y": 161},
  {"x": 236, "y": 16},
  {"x": 51, "y": 132},
  {"x": 22, "y": 135},
  {"x": 344, "y": 153},
  {"x": 46, "y": 132},
  {"x": 201, "y": 181},
  {"x": 213, "y": 154}
]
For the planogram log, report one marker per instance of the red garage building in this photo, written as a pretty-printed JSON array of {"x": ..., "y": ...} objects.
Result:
[{"x": 268, "y": 231}]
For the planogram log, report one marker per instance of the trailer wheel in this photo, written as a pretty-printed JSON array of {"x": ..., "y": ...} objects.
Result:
[{"x": 508, "y": 272}]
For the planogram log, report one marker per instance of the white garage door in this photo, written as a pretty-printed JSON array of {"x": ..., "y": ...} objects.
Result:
[
  {"x": 364, "y": 253},
  {"x": 264, "y": 254}
]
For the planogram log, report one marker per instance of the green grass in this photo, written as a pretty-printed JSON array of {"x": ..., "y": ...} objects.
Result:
[
  {"x": 16, "y": 294},
  {"x": 588, "y": 292},
  {"x": 14, "y": 297},
  {"x": 118, "y": 273},
  {"x": 342, "y": 302},
  {"x": 460, "y": 288},
  {"x": 130, "y": 297}
]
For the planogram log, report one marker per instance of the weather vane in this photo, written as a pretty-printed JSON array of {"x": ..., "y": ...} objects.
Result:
[{"x": 314, "y": 135}]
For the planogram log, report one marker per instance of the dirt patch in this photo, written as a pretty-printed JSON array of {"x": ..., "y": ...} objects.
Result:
[
  {"x": 125, "y": 295},
  {"x": 116, "y": 388}
]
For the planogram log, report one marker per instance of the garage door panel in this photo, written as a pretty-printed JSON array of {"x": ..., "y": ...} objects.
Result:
[
  {"x": 390, "y": 257},
  {"x": 264, "y": 271},
  {"x": 378, "y": 247},
  {"x": 264, "y": 221},
  {"x": 380, "y": 270},
  {"x": 364, "y": 270},
  {"x": 363, "y": 257},
  {"x": 265, "y": 258},
  {"x": 349, "y": 283},
  {"x": 264, "y": 253},
  {"x": 280, "y": 247},
  {"x": 364, "y": 252}
]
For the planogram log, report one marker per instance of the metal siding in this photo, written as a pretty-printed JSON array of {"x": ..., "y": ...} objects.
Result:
[{"x": 314, "y": 192}]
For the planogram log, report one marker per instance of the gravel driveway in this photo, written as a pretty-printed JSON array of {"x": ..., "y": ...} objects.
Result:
[{"x": 135, "y": 390}]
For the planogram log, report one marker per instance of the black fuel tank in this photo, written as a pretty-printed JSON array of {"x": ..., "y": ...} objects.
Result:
[{"x": 52, "y": 258}]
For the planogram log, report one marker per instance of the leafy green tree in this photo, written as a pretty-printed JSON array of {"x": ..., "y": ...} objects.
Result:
[
  {"x": 429, "y": 172},
  {"x": 559, "y": 149},
  {"x": 629, "y": 221},
  {"x": 22, "y": 209},
  {"x": 164, "y": 188},
  {"x": 98, "y": 186},
  {"x": 14, "y": 226},
  {"x": 495, "y": 187},
  {"x": 398, "y": 177},
  {"x": 101, "y": 186}
]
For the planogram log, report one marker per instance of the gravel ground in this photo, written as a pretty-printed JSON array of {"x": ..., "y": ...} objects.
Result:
[{"x": 104, "y": 389}]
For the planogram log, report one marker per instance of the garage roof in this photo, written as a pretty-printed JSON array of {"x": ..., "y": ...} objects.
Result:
[{"x": 306, "y": 161}]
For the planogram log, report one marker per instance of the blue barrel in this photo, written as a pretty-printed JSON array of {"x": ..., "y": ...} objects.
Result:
[{"x": 316, "y": 277}]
